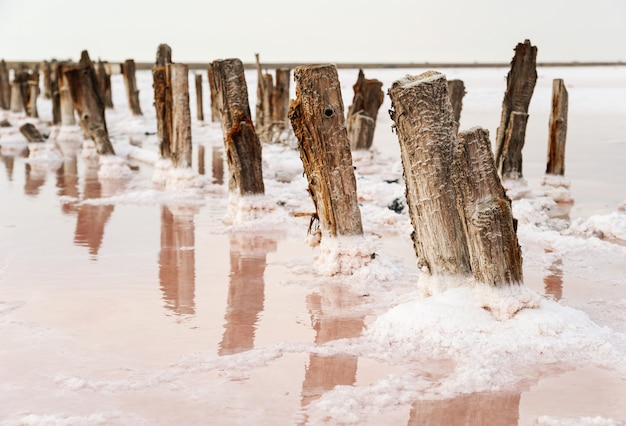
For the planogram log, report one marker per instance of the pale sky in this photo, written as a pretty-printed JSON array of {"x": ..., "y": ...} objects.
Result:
[{"x": 314, "y": 30}]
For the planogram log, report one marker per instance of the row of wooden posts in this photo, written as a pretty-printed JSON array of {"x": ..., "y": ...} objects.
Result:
[{"x": 462, "y": 219}]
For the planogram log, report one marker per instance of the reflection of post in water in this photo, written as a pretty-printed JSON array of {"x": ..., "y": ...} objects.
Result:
[
  {"x": 553, "y": 281},
  {"x": 9, "y": 163},
  {"x": 91, "y": 219},
  {"x": 35, "y": 178},
  {"x": 325, "y": 372},
  {"x": 246, "y": 290},
  {"x": 177, "y": 258},
  {"x": 500, "y": 409},
  {"x": 218, "y": 165},
  {"x": 67, "y": 182},
  {"x": 201, "y": 169}
]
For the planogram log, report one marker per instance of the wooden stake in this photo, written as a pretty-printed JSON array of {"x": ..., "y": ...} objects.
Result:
[
  {"x": 66, "y": 103},
  {"x": 163, "y": 99},
  {"x": 177, "y": 75},
  {"x": 495, "y": 254},
  {"x": 104, "y": 84},
  {"x": 47, "y": 79},
  {"x": 317, "y": 117},
  {"x": 55, "y": 95},
  {"x": 243, "y": 148},
  {"x": 199, "y": 107},
  {"x": 17, "y": 105},
  {"x": 215, "y": 112},
  {"x": 558, "y": 129},
  {"x": 83, "y": 86},
  {"x": 5, "y": 87},
  {"x": 164, "y": 55},
  {"x": 520, "y": 83},
  {"x": 31, "y": 133},
  {"x": 128, "y": 69},
  {"x": 427, "y": 138},
  {"x": 33, "y": 94},
  {"x": 362, "y": 114},
  {"x": 456, "y": 89}
]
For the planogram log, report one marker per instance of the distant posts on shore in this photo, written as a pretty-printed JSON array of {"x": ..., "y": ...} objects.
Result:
[
  {"x": 83, "y": 86},
  {"x": 241, "y": 142},
  {"x": 317, "y": 117},
  {"x": 511, "y": 133},
  {"x": 128, "y": 69},
  {"x": 162, "y": 99},
  {"x": 272, "y": 103},
  {"x": 362, "y": 114},
  {"x": 180, "y": 138},
  {"x": 461, "y": 216},
  {"x": 558, "y": 129}
]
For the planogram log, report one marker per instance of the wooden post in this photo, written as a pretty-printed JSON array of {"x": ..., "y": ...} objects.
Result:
[
  {"x": 456, "y": 89},
  {"x": 459, "y": 209},
  {"x": 66, "y": 103},
  {"x": 317, "y": 117},
  {"x": 17, "y": 105},
  {"x": 520, "y": 83},
  {"x": 495, "y": 254},
  {"x": 83, "y": 86},
  {"x": 33, "y": 94},
  {"x": 362, "y": 114},
  {"x": 215, "y": 112},
  {"x": 199, "y": 107},
  {"x": 5, "y": 87},
  {"x": 558, "y": 129},
  {"x": 31, "y": 133},
  {"x": 272, "y": 102},
  {"x": 47, "y": 79},
  {"x": 55, "y": 95},
  {"x": 427, "y": 138},
  {"x": 177, "y": 75},
  {"x": 104, "y": 84},
  {"x": 280, "y": 96},
  {"x": 201, "y": 161},
  {"x": 162, "y": 98},
  {"x": 128, "y": 68},
  {"x": 243, "y": 148}
]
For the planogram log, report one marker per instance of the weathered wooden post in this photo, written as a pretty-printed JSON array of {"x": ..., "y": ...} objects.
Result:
[
  {"x": 272, "y": 102},
  {"x": 317, "y": 117},
  {"x": 66, "y": 103},
  {"x": 33, "y": 93},
  {"x": 510, "y": 135},
  {"x": 128, "y": 69},
  {"x": 201, "y": 161},
  {"x": 280, "y": 96},
  {"x": 459, "y": 210},
  {"x": 215, "y": 113},
  {"x": 83, "y": 86},
  {"x": 104, "y": 83},
  {"x": 19, "y": 92},
  {"x": 162, "y": 98},
  {"x": 180, "y": 138},
  {"x": 55, "y": 96},
  {"x": 495, "y": 254},
  {"x": 5, "y": 87},
  {"x": 362, "y": 114},
  {"x": 47, "y": 79},
  {"x": 427, "y": 138},
  {"x": 199, "y": 107},
  {"x": 243, "y": 148},
  {"x": 31, "y": 133},
  {"x": 456, "y": 89},
  {"x": 558, "y": 129}
]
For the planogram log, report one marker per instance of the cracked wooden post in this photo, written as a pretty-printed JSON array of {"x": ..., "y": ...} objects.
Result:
[
  {"x": 456, "y": 89},
  {"x": 510, "y": 135},
  {"x": 19, "y": 92},
  {"x": 55, "y": 96},
  {"x": 459, "y": 209},
  {"x": 243, "y": 148},
  {"x": 558, "y": 129},
  {"x": 494, "y": 251},
  {"x": 272, "y": 102},
  {"x": 427, "y": 138},
  {"x": 5, "y": 87},
  {"x": 83, "y": 86},
  {"x": 215, "y": 113},
  {"x": 162, "y": 99},
  {"x": 33, "y": 94},
  {"x": 317, "y": 117},
  {"x": 362, "y": 114},
  {"x": 128, "y": 69},
  {"x": 180, "y": 143},
  {"x": 199, "y": 107}
]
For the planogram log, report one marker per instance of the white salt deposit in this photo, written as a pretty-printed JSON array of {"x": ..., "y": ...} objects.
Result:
[{"x": 113, "y": 167}]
